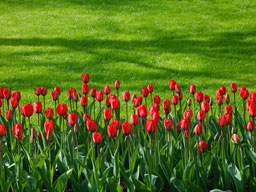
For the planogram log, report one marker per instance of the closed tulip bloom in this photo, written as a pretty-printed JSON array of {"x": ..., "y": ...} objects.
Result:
[
  {"x": 198, "y": 129},
  {"x": 243, "y": 92},
  {"x": 151, "y": 126},
  {"x": 227, "y": 99},
  {"x": 49, "y": 126},
  {"x": 172, "y": 84},
  {"x": 202, "y": 146},
  {"x": 85, "y": 77},
  {"x": 117, "y": 84},
  {"x": 85, "y": 89},
  {"x": 252, "y": 111},
  {"x": 188, "y": 114},
  {"x": 150, "y": 88},
  {"x": 62, "y": 109},
  {"x": 126, "y": 96},
  {"x": 180, "y": 95},
  {"x": 17, "y": 130},
  {"x": 134, "y": 119},
  {"x": 142, "y": 111},
  {"x": 133, "y": 97},
  {"x": 86, "y": 116},
  {"x": 236, "y": 138},
  {"x": 250, "y": 125},
  {"x": 177, "y": 88},
  {"x": 156, "y": 106},
  {"x": 70, "y": 94},
  {"x": 116, "y": 123},
  {"x": 252, "y": 95},
  {"x": 127, "y": 128},
  {"x": 72, "y": 119},
  {"x": 22, "y": 110},
  {"x": 16, "y": 95},
  {"x": 96, "y": 137},
  {"x": 250, "y": 103},
  {"x": 156, "y": 99},
  {"x": 107, "y": 114},
  {"x": 219, "y": 100},
  {"x": 206, "y": 98},
  {"x": 184, "y": 124},
  {"x": 201, "y": 115},
  {"x": 1, "y": 93},
  {"x": 233, "y": 87},
  {"x": 1, "y": 102},
  {"x": 155, "y": 116},
  {"x": 57, "y": 89},
  {"x": 111, "y": 97},
  {"x": 166, "y": 106},
  {"x": 189, "y": 102},
  {"x": 136, "y": 102},
  {"x": 83, "y": 101},
  {"x": 38, "y": 107},
  {"x": 108, "y": 102},
  {"x": 91, "y": 125},
  {"x": 75, "y": 96},
  {"x": 55, "y": 95},
  {"x": 99, "y": 95},
  {"x": 168, "y": 125},
  {"x": 223, "y": 88},
  {"x": 144, "y": 92},
  {"x": 199, "y": 96},
  {"x": 151, "y": 110},
  {"x": 2, "y": 130},
  {"x": 49, "y": 113},
  {"x": 229, "y": 109},
  {"x": 219, "y": 93},
  {"x": 112, "y": 130},
  {"x": 7, "y": 93},
  {"x": 106, "y": 90},
  {"x": 37, "y": 91},
  {"x": 93, "y": 92},
  {"x": 28, "y": 110},
  {"x": 192, "y": 89},
  {"x": 175, "y": 99},
  {"x": 222, "y": 121},
  {"x": 44, "y": 91},
  {"x": 205, "y": 107},
  {"x": 14, "y": 102},
  {"x": 115, "y": 104}
]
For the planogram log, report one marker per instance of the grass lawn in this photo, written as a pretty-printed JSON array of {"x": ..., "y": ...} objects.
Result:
[{"x": 50, "y": 43}]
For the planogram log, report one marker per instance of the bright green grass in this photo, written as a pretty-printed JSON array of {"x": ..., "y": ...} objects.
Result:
[{"x": 49, "y": 43}]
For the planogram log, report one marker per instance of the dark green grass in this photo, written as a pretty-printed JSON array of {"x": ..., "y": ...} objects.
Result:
[{"x": 49, "y": 43}]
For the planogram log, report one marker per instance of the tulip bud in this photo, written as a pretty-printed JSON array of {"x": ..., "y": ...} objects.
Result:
[
  {"x": 192, "y": 89},
  {"x": 106, "y": 90},
  {"x": 250, "y": 125},
  {"x": 198, "y": 129},
  {"x": 133, "y": 97},
  {"x": 175, "y": 100},
  {"x": 206, "y": 98},
  {"x": 107, "y": 114},
  {"x": 38, "y": 91},
  {"x": 83, "y": 101},
  {"x": 201, "y": 116},
  {"x": 168, "y": 124},
  {"x": 49, "y": 113},
  {"x": 2, "y": 130},
  {"x": 233, "y": 87},
  {"x": 172, "y": 84},
  {"x": 202, "y": 146},
  {"x": 14, "y": 102},
  {"x": 189, "y": 102},
  {"x": 184, "y": 124},
  {"x": 144, "y": 92},
  {"x": 227, "y": 99},
  {"x": 85, "y": 77},
  {"x": 8, "y": 114},
  {"x": 99, "y": 95},
  {"x": 156, "y": 99},
  {"x": 127, "y": 128},
  {"x": 150, "y": 88},
  {"x": 188, "y": 114},
  {"x": 93, "y": 92},
  {"x": 86, "y": 117},
  {"x": 126, "y": 96},
  {"x": 117, "y": 84},
  {"x": 236, "y": 138},
  {"x": 96, "y": 137},
  {"x": 7, "y": 93},
  {"x": 44, "y": 91}
]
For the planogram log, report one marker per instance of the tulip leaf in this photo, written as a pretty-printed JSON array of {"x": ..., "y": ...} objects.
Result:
[
  {"x": 139, "y": 186},
  {"x": 61, "y": 183},
  {"x": 236, "y": 176}
]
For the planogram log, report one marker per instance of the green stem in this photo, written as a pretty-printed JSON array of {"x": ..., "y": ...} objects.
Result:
[{"x": 126, "y": 112}]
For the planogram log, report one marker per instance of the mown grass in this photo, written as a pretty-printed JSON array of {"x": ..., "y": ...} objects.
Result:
[{"x": 49, "y": 43}]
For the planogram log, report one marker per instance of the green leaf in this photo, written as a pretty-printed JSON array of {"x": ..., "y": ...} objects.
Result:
[
  {"x": 236, "y": 176},
  {"x": 61, "y": 183},
  {"x": 139, "y": 186}
]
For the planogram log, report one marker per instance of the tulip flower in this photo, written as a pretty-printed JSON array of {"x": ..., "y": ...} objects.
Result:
[
  {"x": 168, "y": 124},
  {"x": 115, "y": 105},
  {"x": 166, "y": 107},
  {"x": 134, "y": 119},
  {"x": 156, "y": 106},
  {"x": 84, "y": 102},
  {"x": 112, "y": 131},
  {"x": 151, "y": 110},
  {"x": 198, "y": 129},
  {"x": 106, "y": 90},
  {"x": 49, "y": 113},
  {"x": 137, "y": 102},
  {"x": 227, "y": 99},
  {"x": 116, "y": 123},
  {"x": 127, "y": 128},
  {"x": 85, "y": 89},
  {"x": 72, "y": 120},
  {"x": 133, "y": 97},
  {"x": 142, "y": 111},
  {"x": 150, "y": 90},
  {"x": 97, "y": 138},
  {"x": 184, "y": 124},
  {"x": 250, "y": 127},
  {"x": 252, "y": 111},
  {"x": 229, "y": 109},
  {"x": 91, "y": 125},
  {"x": 126, "y": 98},
  {"x": 85, "y": 77},
  {"x": 201, "y": 116},
  {"x": 188, "y": 114},
  {"x": 199, "y": 96},
  {"x": 8, "y": 114},
  {"x": 243, "y": 92},
  {"x": 86, "y": 116},
  {"x": 38, "y": 92},
  {"x": 107, "y": 114},
  {"x": 144, "y": 93},
  {"x": 205, "y": 107},
  {"x": 117, "y": 86},
  {"x": 157, "y": 99},
  {"x": 236, "y": 138},
  {"x": 202, "y": 146},
  {"x": 192, "y": 89},
  {"x": 222, "y": 121},
  {"x": 189, "y": 102},
  {"x": 2, "y": 130},
  {"x": 206, "y": 98},
  {"x": 172, "y": 85},
  {"x": 17, "y": 130}
]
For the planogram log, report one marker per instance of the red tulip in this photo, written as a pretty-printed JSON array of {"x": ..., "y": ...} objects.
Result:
[
  {"x": 62, "y": 109},
  {"x": 206, "y": 98},
  {"x": 126, "y": 96},
  {"x": 150, "y": 88},
  {"x": 38, "y": 91},
  {"x": 177, "y": 88},
  {"x": 134, "y": 119},
  {"x": 85, "y": 77},
  {"x": 219, "y": 93},
  {"x": 236, "y": 138},
  {"x": 142, "y": 111},
  {"x": 188, "y": 114},
  {"x": 85, "y": 89},
  {"x": 172, "y": 84},
  {"x": 49, "y": 113},
  {"x": 55, "y": 95},
  {"x": 151, "y": 110},
  {"x": 233, "y": 87},
  {"x": 38, "y": 107},
  {"x": 70, "y": 94},
  {"x": 186, "y": 133},
  {"x": 223, "y": 88},
  {"x": 44, "y": 91},
  {"x": 28, "y": 110},
  {"x": 127, "y": 128},
  {"x": 7, "y": 93},
  {"x": 2, "y": 130},
  {"x": 199, "y": 96},
  {"x": 144, "y": 92},
  {"x": 17, "y": 130},
  {"x": 205, "y": 107},
  {"x": 227, "y": 99},
  {"x": 198, "y": 129},
  {"x": 180, "y": 96},
  {"x": 189, "y": 102},
  {"x": 72, "y": 119},
  {"x": 96, "y": 137},
  {"x": 93, "y": 92},
  {"x": 156, "y": 106},
  {"x": 156, "y": 99},
  {"x": 1, "y": 102},
  {"x": 112, "y": 130},
  {"x": 222, "y": 121},
  {"x": 99, "y": 95},
  {"x": 243, "y": 92},
  {"x": 155, "y": 116},
  {"x": 86, "y": 116},
  {"x": 115, "y": 104},
  {"x": 91, "y": 125},
  {"x": 116, "y": 123},
  {"x": 250, "y": 125},
  {"x": 49, "y": 126},
  {"x": 184, "y": 124},
  {"x": 136, "y": 102},
  {"x": 151, "y": 126},
  {"x": 192, "y": 89},
  {"x": 14, "y": 102},
  {"x": 252, "y": 111},
  {"x": 107, "y": 114},
  {"x": 1, "y": 93},
  {"x": 201, "y": 115},
  {"x": 75, "y": 96},
  {"x": 166, "y": 106},
  {"x": 117, "y": 84},
  {"x": 219, "y": 100},
  {"x": 111, "y": 97},
  {"x": 229, "y": 109},
  {"x": 133, "y": 97},
  {"x": 228, "y": 118},
  {"x": 202, "y": 146},
  {"x": 108, "y": 103},
  {"x": 175, "y": 99},
  {"x": 106, "y": 90},
  {"x": 16, "y": 95},
  {"x": 57, "y": 89},
  {"x": 83, "y": 101},
  {"x": 168, "y": 124}
]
